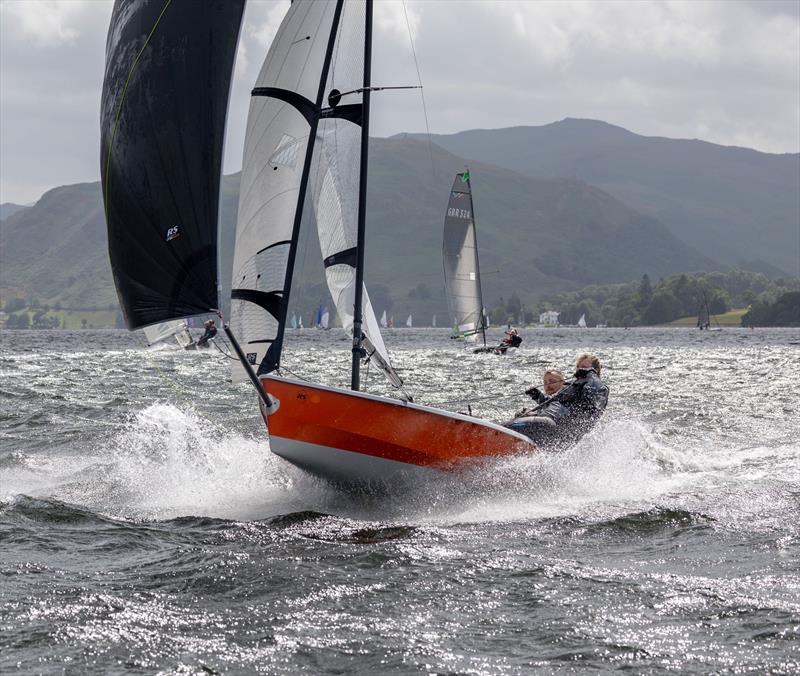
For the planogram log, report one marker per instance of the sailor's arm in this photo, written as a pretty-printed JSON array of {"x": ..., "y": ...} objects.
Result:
[{"x": 595, "y": 393}]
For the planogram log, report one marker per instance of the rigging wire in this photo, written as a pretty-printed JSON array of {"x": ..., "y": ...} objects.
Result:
[
  {"x": 283, "y": 367},
  {"x": 421, "y": 92},
  {"x": 223, "y": 352}
]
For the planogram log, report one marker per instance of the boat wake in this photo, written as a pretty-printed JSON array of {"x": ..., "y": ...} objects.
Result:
[{"x": 168, "y": 462}]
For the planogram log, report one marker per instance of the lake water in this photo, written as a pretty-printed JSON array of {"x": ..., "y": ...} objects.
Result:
[{"x": 145, "y": 526}]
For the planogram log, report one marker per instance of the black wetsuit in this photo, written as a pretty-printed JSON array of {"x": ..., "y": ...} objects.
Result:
[
  {"x": 568, "y": 414},
  {"x": 211, "y": 331},
  {"x": 511, "y": 341}
]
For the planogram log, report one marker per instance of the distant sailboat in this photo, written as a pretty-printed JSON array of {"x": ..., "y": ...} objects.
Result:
[
  {"x": 582, "y": 322},
  {"x": 433, "y": 322},
  {"x": 322, "y": 319},
  {"x": 293, "y": 323},
  {"x": 462, "y": 279},
  {"x": 178, "y": 329},
  {"x": 704, "y": 317},
  {"x": 384, "y": 321},
  {"x": 409, "y": 323}
]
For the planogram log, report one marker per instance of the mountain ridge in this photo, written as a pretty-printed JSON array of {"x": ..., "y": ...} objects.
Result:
[
  {"x": 536, "y": 236},
  {"x": 731, "y": 203}
]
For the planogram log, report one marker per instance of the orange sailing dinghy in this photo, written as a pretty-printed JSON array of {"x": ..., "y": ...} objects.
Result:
[
  {"x": 307, "y": 143},
  {"x": 352, "y": 436}
]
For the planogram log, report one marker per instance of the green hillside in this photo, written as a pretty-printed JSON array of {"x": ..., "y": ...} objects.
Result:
[
  {"x": 535, "y": 236},
  {"x": 730, "y": 318}
]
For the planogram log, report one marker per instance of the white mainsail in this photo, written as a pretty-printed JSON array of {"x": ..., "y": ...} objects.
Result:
[
  {"x": 384, "y": 321},
  {"x": 274, "y": 155},
  {"x": 582, "y": 322},
  {"x": 409, "y": 322}
]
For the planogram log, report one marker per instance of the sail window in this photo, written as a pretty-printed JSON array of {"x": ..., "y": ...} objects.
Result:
[{"x": 286, "y": 152}]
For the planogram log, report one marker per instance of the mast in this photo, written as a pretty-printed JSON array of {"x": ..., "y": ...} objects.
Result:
[{"x": 362, "y": 202}]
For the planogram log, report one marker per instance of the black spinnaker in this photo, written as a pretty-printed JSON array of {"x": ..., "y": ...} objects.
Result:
[{"x": 165, "y": 96}]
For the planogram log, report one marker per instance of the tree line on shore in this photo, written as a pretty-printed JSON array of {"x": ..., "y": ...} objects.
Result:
[{"x": 772, "y": 302}]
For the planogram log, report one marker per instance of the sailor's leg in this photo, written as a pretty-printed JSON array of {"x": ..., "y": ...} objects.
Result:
[{"x": 538, "y": 429}]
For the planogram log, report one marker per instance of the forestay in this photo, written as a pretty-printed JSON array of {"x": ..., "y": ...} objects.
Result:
[
  {"x": 461, "y": 269},
  {"x": 164, "y": 101}
]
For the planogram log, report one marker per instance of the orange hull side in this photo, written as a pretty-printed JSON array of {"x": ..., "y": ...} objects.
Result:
[{"x": 383, "y": 428}]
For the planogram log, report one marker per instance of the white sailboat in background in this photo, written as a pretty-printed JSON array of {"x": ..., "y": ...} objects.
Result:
[
  {"x": 704, "y": 317},
  {"x": 178, "y": 329},
  {"x": 433, "y": 322},
  {"x": 293, "y": 323},
  {"x": 384, "y": 321},
  {"x": 409, "y": 322},
  {"x": 582, "y": 322}
]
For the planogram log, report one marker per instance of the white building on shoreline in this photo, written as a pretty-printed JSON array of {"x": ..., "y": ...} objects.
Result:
[{"x": 549, "y": 318}]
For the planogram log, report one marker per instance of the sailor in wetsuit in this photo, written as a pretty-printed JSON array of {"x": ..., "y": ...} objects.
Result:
[
  {"x": 553, "y": 381},
  {"x": 512, "y": 339},
  {"x": 210, "y": 332},
  {"x": 566, "y": 416}
]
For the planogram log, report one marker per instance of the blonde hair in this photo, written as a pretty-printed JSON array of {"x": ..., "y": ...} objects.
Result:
[{"x": 595, "y": 361}]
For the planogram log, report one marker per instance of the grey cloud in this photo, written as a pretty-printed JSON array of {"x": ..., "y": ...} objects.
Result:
[{"x": 728, "y": 72}]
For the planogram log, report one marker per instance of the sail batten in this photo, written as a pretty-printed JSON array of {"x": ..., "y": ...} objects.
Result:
[{"x": 164, "y": 104}]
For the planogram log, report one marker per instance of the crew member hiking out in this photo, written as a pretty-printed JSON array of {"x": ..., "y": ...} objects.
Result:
[
  {"x": 563, "y": 418},
  {"x": 210, "y": 332},
  {"x": 512, "y": 339}
]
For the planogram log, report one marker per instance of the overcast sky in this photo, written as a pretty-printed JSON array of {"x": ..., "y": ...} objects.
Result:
[{"x": 725, "y": 71}]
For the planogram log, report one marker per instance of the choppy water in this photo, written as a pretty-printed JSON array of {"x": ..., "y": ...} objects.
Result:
[{"x": 145, "y": 527}]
